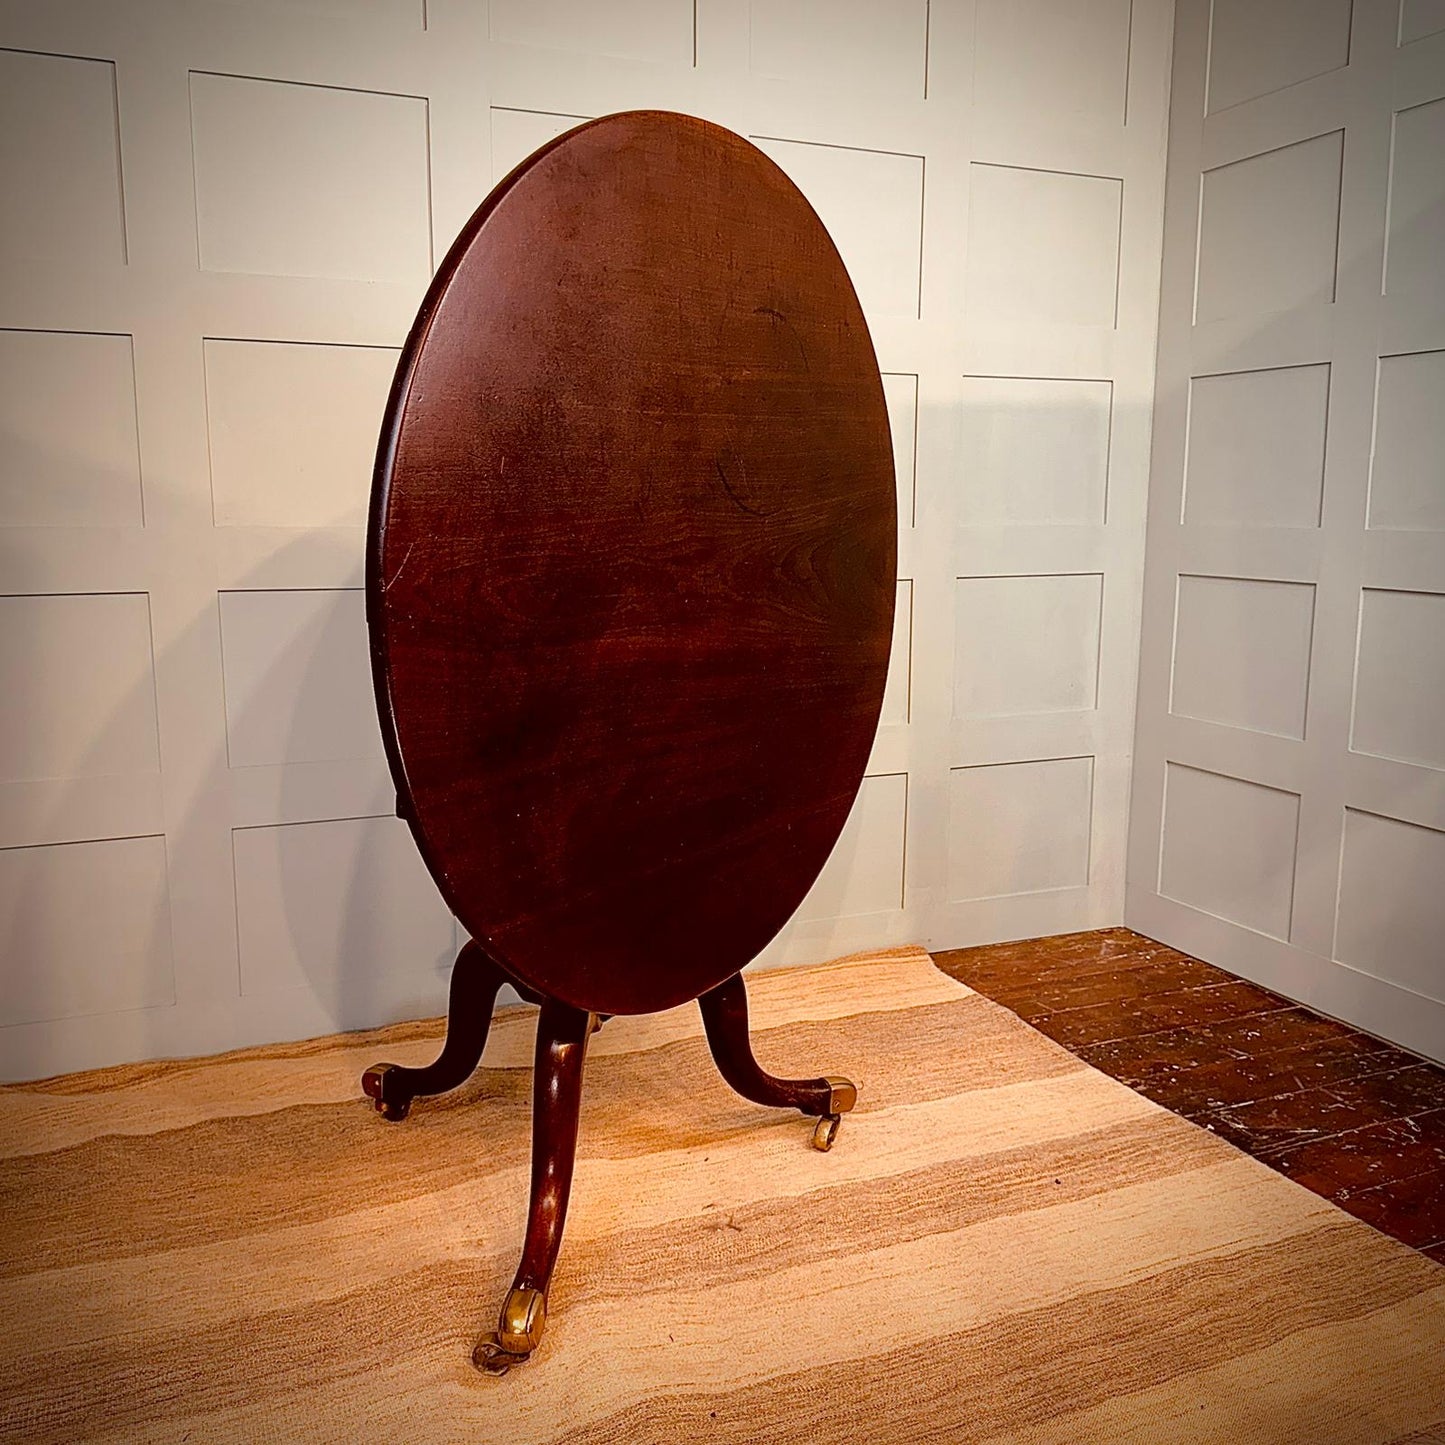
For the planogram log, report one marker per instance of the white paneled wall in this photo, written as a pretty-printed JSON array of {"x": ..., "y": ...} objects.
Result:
[
  {"x": 219, "y": 221},
  {"x": 1289, "y": 796}
]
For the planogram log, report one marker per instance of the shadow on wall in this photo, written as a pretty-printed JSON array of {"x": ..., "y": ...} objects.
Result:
[
  {"x": 85, "y": 924},
  {"x": 338, "y": 909}
]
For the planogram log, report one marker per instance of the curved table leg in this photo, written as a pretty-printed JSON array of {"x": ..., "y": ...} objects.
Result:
[
  {"x": 725, "y": 1018},
  {"x": 562, "y": 1034},
  {"x": 475, "y": 982}
]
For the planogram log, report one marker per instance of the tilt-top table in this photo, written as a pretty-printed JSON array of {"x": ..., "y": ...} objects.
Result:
[{"x": 630, "y": 584}]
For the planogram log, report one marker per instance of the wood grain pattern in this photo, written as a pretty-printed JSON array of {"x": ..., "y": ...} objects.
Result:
[
  {"x": 1004, "y": 1245},
  {"x": 631, "y": 569}
]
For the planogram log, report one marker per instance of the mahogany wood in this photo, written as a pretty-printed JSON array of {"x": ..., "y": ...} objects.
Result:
[
  {"x": 725, "y": 1019},
  {"x": 476, "y": 981},
  {"x": 631, "y": 562},
  {"x": 562, "y": 1034},
  {"x": 630, "y": 582}
]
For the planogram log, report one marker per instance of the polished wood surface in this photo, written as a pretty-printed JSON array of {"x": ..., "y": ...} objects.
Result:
[
  {"x": 631, "y": 564},
  {"x": 476, "y": 982},
  {"x": 562, "y": 1034},
  {"x": 1351, "y": 1117},
  {"x": 725, "y": 1021},
  {"x": 630, "y": 582}
]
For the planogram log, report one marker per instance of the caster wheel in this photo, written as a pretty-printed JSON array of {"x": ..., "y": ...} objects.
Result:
[
  {"x": 842, "y": 1095},
  {"x": 491, "y": 1359},
  {"x": 825, "y": 1132}
]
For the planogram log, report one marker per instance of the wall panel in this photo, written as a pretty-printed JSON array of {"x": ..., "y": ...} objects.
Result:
[
  {"x": 1267, "y": 230},
  {"x": 865, "y": 873},
  {"x": 292, "y": 430},
  {"x": 310, "y": 180},
  {"x": 1043, "y": 246},
  {"x": 1392, "y": 908},
  {"x": 1400, "y": 677},
  {"x": 1242, "y": 653},
  {"x": 900, "y": 661},
  {"x": 1228, "y": 848},
  {"x": 1019, "y": 828},
  {"x": 86, "y": 928},
  {"x": 96, "y": 715},
  {"x": 1256, "y": 444},
  {"x": 1255, "y": 49},
  {"x": 1415, "y": 232},
  {"x": 57, "y": 474},
  {"x": 1035, "y": 451},
  {"x": 901, "y": 394},
  {"x": 1405, "y": 490},
  {"x": 320, "y": 904},
  {"x": 298, "y": 677},
  {"x": 1419, "y": 18},
  {"x": 1027, "y": 644},
  {"x": 1071, "y": 62},
  {"x": 60, "y": 162}
]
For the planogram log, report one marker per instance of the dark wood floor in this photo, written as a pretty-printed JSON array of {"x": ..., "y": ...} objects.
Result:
[{"x": 1354, "y": 1119}]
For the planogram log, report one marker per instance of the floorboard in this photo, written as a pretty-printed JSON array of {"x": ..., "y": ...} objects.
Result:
[{"x": 1347, "y": 1115}]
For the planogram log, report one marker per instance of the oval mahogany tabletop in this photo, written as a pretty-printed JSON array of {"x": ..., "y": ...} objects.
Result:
[{"x": 631, "y": 562}]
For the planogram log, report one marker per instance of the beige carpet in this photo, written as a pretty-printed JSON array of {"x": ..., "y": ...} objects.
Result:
[{"x": 1003, "y": 1245}]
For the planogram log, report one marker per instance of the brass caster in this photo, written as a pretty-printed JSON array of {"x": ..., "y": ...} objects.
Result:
[
  {"x": 825, "y": 1131},
  {"x": 843, "y": 1097},
  {"x": 373, "y": 1085},
  {"x": 491, "y": 1359},
  {"x": 518, "y": 1332},
  {"x": 524, "y": 1317}
]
